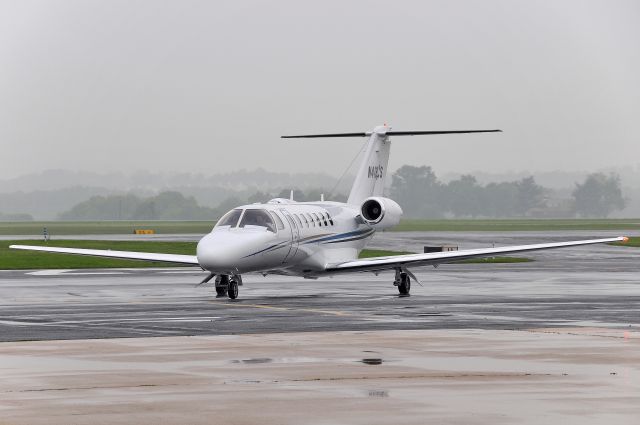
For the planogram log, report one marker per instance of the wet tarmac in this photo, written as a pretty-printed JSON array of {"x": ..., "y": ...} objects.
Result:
[
  {"x": 556, "y": 340},
  {"x": 583, "y": 286},
  {"x": 568, "y": 376}
]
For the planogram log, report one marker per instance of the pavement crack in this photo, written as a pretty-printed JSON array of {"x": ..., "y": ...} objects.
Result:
[
  {"x": 405, "y": 377},
  {"x": 97, "y": 387},
  {"x": 626, "y": 333},
  {"x": 422, "y": 376}
]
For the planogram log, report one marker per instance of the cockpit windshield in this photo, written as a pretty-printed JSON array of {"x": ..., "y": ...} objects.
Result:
[
  {"x": 230, "y": 219},
  {"x": 259, "y": 218}
]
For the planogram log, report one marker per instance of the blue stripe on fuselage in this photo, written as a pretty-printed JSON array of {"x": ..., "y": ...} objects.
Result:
[{"x": 340, "y": 235}]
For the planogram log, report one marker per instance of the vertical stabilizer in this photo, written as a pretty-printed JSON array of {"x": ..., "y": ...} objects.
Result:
[{"x": 371, "y": 174}]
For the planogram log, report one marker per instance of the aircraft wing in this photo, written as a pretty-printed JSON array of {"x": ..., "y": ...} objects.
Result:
[
  {"x": 435, "y": 258},
  {"x": 107, "y": 253}
]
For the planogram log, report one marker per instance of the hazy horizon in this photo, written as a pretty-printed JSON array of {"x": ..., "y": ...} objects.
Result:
[
  {"x": 53, "y": 194},
  {"x": 167, "y": 86},
  {"x": 553, "y": 178}
]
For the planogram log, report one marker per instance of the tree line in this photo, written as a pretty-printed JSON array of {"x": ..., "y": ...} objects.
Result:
[
  {"x": 417, "y": 189},
  {"x": 16, "y": 217},
  {"x": 164, "y": 206},
  {"x": 422, "y": 195},
  {"x": 171, "y": 205}
]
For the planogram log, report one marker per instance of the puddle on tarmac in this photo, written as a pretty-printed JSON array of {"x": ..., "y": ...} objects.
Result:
[
  {"x": 259, "y": 360},
  {"x": 263, "y": 360}
]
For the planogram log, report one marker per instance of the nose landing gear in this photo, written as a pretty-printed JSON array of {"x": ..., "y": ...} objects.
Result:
[
  {"x": 227, "y": 285},
  {"x": 222, "y": 283}
]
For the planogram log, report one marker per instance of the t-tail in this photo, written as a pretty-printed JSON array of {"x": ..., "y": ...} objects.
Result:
[{"x": 372, "y": 172}]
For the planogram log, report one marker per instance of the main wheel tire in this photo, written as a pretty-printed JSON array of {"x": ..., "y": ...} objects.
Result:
[
  {"x": 404, "y": 287},
  {"x": 221, "y": 291},
  {"x": 232, "y": 291}
]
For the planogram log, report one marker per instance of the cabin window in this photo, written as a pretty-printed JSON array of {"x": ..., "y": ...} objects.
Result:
[
  {"x": 324, "y": 216},
  {"x": 279, "y": 222},
  {"x": 311, "y": 220},
  {"x": 304, "y": 218},
  {"x": 230, "y": 219},
  {"x": 330, "y": 219},
  {"x": 298, "y": 220},
  {"x": 317, "y": 219}
]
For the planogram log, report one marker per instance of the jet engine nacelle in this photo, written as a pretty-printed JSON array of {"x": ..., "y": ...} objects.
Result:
[{"x": 380, "y": 213}]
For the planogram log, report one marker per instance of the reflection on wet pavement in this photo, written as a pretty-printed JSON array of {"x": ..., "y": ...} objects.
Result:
[{"x": 372, "y": 361}]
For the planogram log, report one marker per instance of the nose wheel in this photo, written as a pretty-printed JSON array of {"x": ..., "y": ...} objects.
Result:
[
  {"x": 232, "y": 292},
  {"x": 228, "y": 286}
]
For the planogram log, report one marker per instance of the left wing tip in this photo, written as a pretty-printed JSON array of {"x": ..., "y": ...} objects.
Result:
[{"x": 625, "y": 239}]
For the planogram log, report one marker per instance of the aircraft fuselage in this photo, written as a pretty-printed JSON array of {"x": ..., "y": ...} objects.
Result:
[{"x": 283, "y": 237}]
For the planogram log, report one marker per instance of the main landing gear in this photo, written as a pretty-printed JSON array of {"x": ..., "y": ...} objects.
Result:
[
  {"x": 403, "y": 282},
  {"x": 227, "y": 285}
]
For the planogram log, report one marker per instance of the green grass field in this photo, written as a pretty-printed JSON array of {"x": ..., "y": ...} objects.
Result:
[
  {"x": 632, "y": 242},
  {"x": 61, "y": 228},
  {"x": 12, "y": 259},
  {"x": 497, "y": 260},
  {"x": 367, "y": 253},
  {"x": 57, "y": 228},
  {"x": 517, "y": 225}
]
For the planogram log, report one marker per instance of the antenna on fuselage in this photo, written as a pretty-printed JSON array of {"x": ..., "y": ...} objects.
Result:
[{"x": 291, "y": 195}]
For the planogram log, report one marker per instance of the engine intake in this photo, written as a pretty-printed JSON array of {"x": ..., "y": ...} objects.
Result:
[
  {"x": 372, "y": 211},
  {"x": 380, "y": 213}
]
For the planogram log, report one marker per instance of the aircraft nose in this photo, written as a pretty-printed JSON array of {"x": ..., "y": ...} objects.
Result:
[
  {"x": 215, "y": 253},
  {"x": 224, "y": 251}
]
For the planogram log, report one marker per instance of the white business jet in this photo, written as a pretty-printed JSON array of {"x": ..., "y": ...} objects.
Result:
[{"x": 315, "y": 239}]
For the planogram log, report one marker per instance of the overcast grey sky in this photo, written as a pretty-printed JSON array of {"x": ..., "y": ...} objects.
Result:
[{"x": 209, "y": 86}]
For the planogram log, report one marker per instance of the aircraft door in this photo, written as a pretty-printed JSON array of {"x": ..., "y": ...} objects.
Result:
[{"x": 295, "y": 235}]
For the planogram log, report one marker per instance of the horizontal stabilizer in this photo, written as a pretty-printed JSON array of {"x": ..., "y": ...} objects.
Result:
[
  {"x": 312, "y": 136},
  {"x": 389, "y": 133},
  {"x": 416, "y": 133}
]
